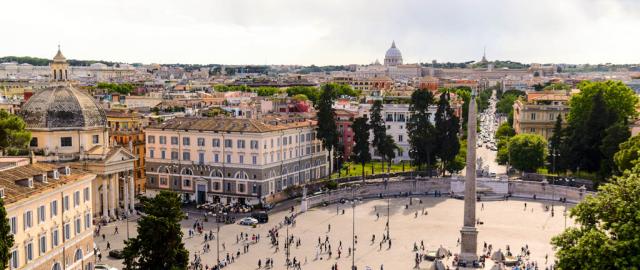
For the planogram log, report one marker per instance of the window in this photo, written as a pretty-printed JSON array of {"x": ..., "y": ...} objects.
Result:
[
  {"x": 163, "y": 140},
  {"x": 28, "y": 250},
  {"x": 186, "y": 156},
  {"x": 53, "y": 208},
  {"x": 151, "y": 153},
  {"x": 201, "y": 158},
  {"x": 533, "y": 116},
  {"x": 87, "y": 220},
  {"x": 254, "y": 160},
  {"x": 241, "y": 160},
  {"x": 215, "y": 158},
  {"x": 163, "y": 154},
  {"x": 41, "y": 214},
  {"x": 228, "y": 144},
  {"x": 65, "y": 142},
  {"x": 65, "y": 203},
  {"x": 302, "y": 138},
  {"x": 86, "y": 194},
  {"x": 186, "y": 141},
  {"x": 228, "y": 158},
  {"x": 28, "y": 220},
  {"x": 254, "y": 144},
  {"x": 67, "y": 231},
  {"x": 13, "y": 225},
  {"x": 174, "y": 140},
  {"x": 54, "y": 237},
  {"x": 96, "y": 139},
  {"x": 42, "y": 243},
  {"x": 34, "y": 142},
  {"x": 216, "y": 186},
  {"x": 389, "y": 118},
  {"x": 241, "y": 144},
  {"x": 200, "y": 141},
  {"x": 187, "y": 183},
  {"x": 76, "y": 199},
  {"x": 151, "y": 139},
  {"x": 14, "y": 259},
  {"x": 78, "y": 226},
  {"x": 533, "y": 130},
  {"x": 400, "y": 117},
  {"x": 174, "y": 155},
  {"x": 241, "y": 187},
  {"x": 399, "y": 138},
  {"x": 216, "y": 142}
]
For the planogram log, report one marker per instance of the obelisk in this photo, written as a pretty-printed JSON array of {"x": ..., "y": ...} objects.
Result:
[{"x": 469, "y": 233}]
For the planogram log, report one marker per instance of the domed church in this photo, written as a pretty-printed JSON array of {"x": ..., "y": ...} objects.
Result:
[
  {"x": 393, "y": 57},
  {"x": 69, "y": 127}
]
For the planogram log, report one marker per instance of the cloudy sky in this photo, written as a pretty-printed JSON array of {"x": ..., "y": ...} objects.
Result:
[{"x": 323, "y": 32}]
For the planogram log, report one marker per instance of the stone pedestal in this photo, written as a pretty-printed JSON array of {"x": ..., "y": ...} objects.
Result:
[{"x": 469, "y": 245}]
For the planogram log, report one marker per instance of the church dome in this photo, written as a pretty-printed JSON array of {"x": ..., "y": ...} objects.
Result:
[
  {"x": 393, "y": 56},
  {"x": 63, "y": 107}
]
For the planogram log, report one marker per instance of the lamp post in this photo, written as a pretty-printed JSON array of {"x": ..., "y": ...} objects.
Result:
[
  {"x": 215, "y": 216},
  {"x": 286, "y": 243},
  {"x": 388, "y": 203}
]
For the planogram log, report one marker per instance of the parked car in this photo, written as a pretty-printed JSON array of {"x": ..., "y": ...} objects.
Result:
[
  {"x": 102, "y": 266},
  {"x": 116, "y": 254},
  {"x": 248, "y": 221},
  {"x": 261, "y": 216}
]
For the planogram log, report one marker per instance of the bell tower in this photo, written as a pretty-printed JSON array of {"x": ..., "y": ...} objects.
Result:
[{"x": 59, "y": 67}]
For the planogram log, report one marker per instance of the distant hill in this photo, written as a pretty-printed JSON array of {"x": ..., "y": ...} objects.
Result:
[
  {"x": 502, "y": 64},
  {"x": 45, "y": 62}
]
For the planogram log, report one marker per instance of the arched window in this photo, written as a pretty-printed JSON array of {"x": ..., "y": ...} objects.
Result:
[
  {"x": 241, "y": 175},
  {"x": 78, "y": 255},
  {"x": 216, "y": 173},
  {"x": 187, "y": 171},
  {"x": 56, "y": 266}
]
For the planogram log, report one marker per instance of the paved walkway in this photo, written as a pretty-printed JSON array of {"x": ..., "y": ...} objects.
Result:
[{"x": 505, "y": 223}]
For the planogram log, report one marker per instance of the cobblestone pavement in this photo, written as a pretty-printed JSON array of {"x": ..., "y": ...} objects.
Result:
[{"x": 505, "y": 223}]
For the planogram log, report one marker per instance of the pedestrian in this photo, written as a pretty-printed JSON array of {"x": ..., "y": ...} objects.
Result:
[
  {"x": 103, "y": 236},
  {"x": 259, "y": 264},
  {"x": 116, "y": 231},
  {"x": 108, "y": 245}
]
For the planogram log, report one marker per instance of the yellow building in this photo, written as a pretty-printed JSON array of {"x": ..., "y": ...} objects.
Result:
[
  {"x": 126, "y": 129},
  {"x": 49, "y": 209},
  {"x": 538, "y": 112}
]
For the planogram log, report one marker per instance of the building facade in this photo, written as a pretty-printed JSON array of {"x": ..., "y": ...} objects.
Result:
[
  {"x": 538, "y": 112},
  {"x": 230, "y": 159},
  {"x": 49, "y": 209},
  {"x": 127, "y": 129}
]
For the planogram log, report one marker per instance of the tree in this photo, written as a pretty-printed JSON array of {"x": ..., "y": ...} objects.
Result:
[
  {"x": 505, "y": 130},
  {"x": 327, "y": 130},
  {"x": 586, "y": 134},
  {"x": 614, "y": 136},
  {"x": 388, "y": 150},
  {"x": 159, "y": 242},
  {"x": 607, "y": 235},
  {"x": 460, "y": 160},
  {"x": 555, "y": 144},
  {"x": 12, "y": 132},
  {"x": 6, "y": 237},
  {"x": 420, "y": 129},
  {"x": 447, "y": 127},
  {"x": 628, "y": 155},
  {"x": 361, "y": 152},
  {"x": 378, "y": 127},
  {"x": 527, "y": 151},
  {"x": 503, "y": 134}
]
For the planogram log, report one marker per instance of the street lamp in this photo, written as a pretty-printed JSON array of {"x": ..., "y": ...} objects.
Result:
[
  {"x": 353, "y": 230},
  {"x": 215, "y": 216}
]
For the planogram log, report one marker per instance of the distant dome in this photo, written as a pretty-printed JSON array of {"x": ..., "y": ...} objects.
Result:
[
  {"x": 63, "y": 107},
  {"x": 98, "y": 66},
  {"x": 393, "y": 57}
]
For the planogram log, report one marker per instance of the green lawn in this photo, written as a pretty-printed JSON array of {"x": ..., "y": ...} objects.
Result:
[{"x": 354, "y": 169}]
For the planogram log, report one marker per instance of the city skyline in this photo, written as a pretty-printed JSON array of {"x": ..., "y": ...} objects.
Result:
[{"x": 325, "y": 33}]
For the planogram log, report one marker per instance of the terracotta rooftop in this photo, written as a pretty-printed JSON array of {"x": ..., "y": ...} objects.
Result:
[
  {"x": 13, "y": 191},
  {"x": 233, "y": 124}
]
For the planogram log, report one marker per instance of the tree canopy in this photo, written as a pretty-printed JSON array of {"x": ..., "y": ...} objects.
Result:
[
  {"x": 447, "y": 127},
  {"x": 421, "y": 130},
  {"x": 361, "y": 152},
  {"x": 6, "y": 237},
  {"x": 159, "y": 242},
  {"x": 628, "y": 155},
  {"x": 120, "y": 88},
  {"x": 12, "y": 132},
  {"x": 527, "y": 151},
  {"x": 607, "y": 235}
]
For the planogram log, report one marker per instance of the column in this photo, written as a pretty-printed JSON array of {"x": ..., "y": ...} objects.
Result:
[
  {"x": 105, "y": 203},
  {"x": 126, "y": 195},
  {"x": 469, "y": 232},
  {"x": 132, "y": 194},
  {"x": 113, "y": 201}
]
